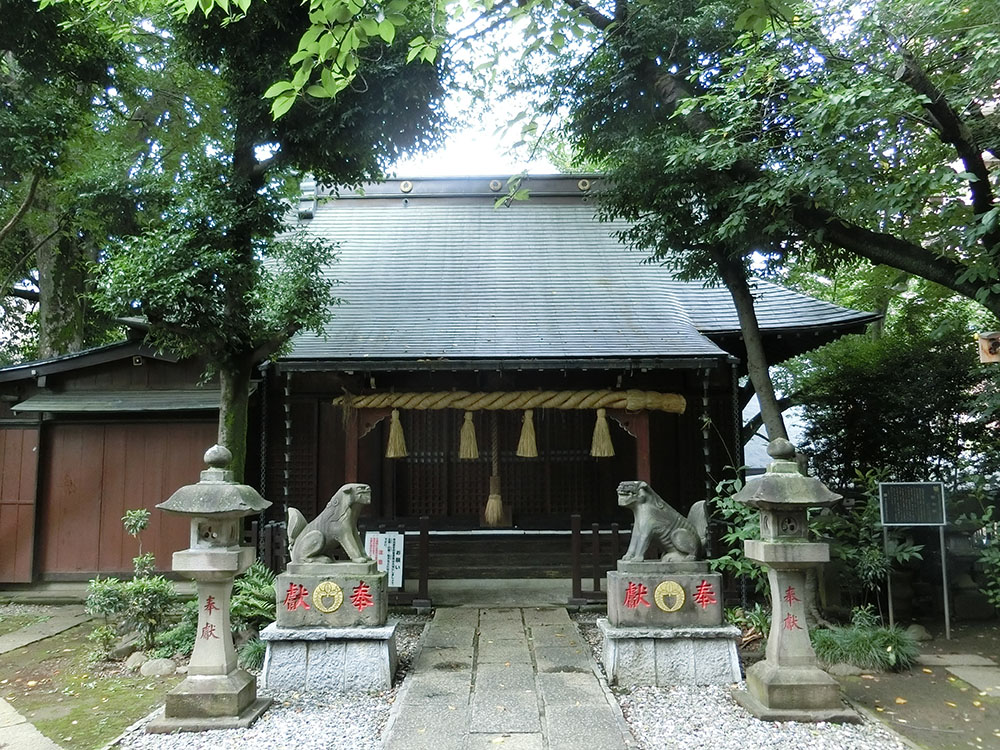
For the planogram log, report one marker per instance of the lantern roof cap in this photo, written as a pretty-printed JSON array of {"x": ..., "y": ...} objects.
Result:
[{"x": 217, "y": 495}]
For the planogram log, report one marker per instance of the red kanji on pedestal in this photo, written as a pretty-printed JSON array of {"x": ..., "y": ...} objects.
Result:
[
  {"x": 295, "y": 597},
  {"x": 208, "y": 631},
  {"x": 210, "y": 605},
  {"x": 790, "y": 595},
  {"x": 362, "y": 596},
  {"x": 791, "y": 622},
  {"x": 634, "y": 595},
  {"x": 704, "y": 594}
]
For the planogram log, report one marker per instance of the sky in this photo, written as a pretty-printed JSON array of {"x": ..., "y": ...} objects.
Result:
[{"x": 471, "y": 152}]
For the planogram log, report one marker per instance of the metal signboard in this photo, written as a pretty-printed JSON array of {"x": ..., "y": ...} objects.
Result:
[{"x": 912, "y": 503}]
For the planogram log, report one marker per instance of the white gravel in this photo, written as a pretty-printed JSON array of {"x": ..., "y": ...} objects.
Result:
[
  {"x": 707, "y": 718},
  {"x": 299, "y": 721}
]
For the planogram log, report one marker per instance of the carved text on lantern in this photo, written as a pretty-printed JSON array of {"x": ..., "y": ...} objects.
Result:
[
  {"x": 210, "y": 605},
  {"x": 790, "y": 595},
  {"x": 791, "y": 622},
  {"x": 208, "y": 631}
]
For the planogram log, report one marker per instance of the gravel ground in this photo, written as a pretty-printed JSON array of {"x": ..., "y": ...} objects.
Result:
[
  {"x": 306, "y": 721},
  {"x": 32, "y": 610},
  {"x": 689, "y": 718},
  {"x": 680, "y": 718}
]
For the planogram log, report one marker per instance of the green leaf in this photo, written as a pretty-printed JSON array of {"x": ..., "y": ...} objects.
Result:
[
  {"x": 387, "y": 31},
  {"x": 278, "y": 88},
  {"x": 281, "y": 105},
  {"x": 319, "y": 92}
]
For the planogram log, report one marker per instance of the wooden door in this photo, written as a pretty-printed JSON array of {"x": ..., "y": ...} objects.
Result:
[
  {"x": 93, "y": 473},
  {"x": 18, "y": 473}
]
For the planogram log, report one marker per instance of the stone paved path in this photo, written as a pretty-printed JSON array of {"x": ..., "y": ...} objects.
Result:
[{"x": 520, "y": 679}]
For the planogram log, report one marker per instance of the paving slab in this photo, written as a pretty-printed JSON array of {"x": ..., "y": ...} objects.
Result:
[
  {"x": 507, "y": 741},
  {"x": 954, "y": 660},
  {"x": 526, "y": 680},
  {"x": 571, "y": 689},
  {"x": 503, "y": 651},
  {"x": 18, "y": 734},
  {"x": 69, "y": 617},
  {"x": 505, "y": 711},
  {"x": 984, "y": 679},
  {"x": 546, "y": 616},
  {"x": 573, "y": 727}
]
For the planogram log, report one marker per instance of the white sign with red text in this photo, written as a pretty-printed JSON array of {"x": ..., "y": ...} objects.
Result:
[{"x": 386, "y": 549}]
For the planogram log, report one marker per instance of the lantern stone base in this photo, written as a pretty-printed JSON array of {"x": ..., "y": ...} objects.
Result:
[
  {"x": 670, "y": 656},
  {"x": 782, "y": 693},
  {"x": 204, "y": 702},
  {"x": 329, "y": 659}
]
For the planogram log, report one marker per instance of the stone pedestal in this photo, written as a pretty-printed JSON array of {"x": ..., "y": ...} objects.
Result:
[
  {"x": 322, "y": 659},
  {"x": 664, "y": 626},
  {"x": 332, "y": 595},
  {"x": 671, "y": 656},
  {"x": 667, "y": 595}
]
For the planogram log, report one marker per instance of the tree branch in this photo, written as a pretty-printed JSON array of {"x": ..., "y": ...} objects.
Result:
[
  {"x": 592, "y": 14},
  {"x": 23, "y": 208},
  {"x": 890, "y": 250},
  {"x": 29, "y": 294},
  {"x": 951, "y": 128}
]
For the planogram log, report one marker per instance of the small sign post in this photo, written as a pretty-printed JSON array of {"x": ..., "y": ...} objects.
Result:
[
  {"x": 915, "y": 504},
  {"x": 386, "y": 549}
]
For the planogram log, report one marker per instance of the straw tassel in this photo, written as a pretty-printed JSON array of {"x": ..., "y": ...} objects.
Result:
[
  {"x": 493, "y": 515},
  {"x": 467, "y": 446},
  {"x": 600, "y": 444},
  {"x": 397, "y": 443},
  {"x": 526, "y": 447},
  {"x": 494, "y": 504}
]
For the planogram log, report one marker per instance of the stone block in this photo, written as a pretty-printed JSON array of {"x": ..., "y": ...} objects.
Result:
[
  {"x": 331, "y": 601},
  {"x": 799, "y": 688},
  {"x": 573, "y": 727},
  {"x": 505, "y": 711},
  {"x": 503, "y": 651},
  {"x": 670, "y": 656},
  {"x": 329, "y": 659},
  {"x": 204, "y": 696},
  {"x": 650, "y": 597}
]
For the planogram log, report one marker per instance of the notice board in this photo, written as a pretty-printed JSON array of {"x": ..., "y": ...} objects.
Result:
[{"x": 912, "y": 503}]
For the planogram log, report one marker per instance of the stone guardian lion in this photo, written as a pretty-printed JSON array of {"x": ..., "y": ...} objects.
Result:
[
  {"x": 337, "y": 525},
  {"x": 659, "y": 526}
]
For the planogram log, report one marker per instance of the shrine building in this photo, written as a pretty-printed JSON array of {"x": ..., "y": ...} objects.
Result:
[{"x": 495, "y": 369}]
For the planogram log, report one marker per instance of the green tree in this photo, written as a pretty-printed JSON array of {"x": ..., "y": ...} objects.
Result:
[
  {"x": 215, "y": 272},
  {"x": 53, "y": 82}
]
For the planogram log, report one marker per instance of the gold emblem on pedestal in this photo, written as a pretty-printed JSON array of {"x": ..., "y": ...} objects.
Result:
[
  {"x": 327, "y": 597},
  {"x": 669, "y": 596}
]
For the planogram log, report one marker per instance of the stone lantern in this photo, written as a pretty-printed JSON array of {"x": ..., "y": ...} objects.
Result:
[
  {"x": 216, "y": 694},
  {"x": 788, "y": 684}
]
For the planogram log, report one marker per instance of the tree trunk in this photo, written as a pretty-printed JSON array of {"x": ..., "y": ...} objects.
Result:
[
  {"x": 234, "y": 399},
  {"x": 62, "y": 278},
  {"x": 735, "y": 279}
]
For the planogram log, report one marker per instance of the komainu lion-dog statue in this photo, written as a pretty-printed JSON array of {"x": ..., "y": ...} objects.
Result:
[
  {"x": 658, "y": 525},
  {"x": 337, "y": 525}
]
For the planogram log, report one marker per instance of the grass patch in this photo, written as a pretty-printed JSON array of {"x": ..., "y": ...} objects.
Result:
[
  {"x": 13, "y": 623},
  {"x": 72, "y": 701},
  {"x": 866, "y": 646}
]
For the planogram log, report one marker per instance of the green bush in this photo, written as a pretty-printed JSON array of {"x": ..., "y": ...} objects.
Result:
[
  {"x": 865, "y": 644},
  {"x": 253, "y": 603},
  {"x": 251, "y": 608},
  {"x": 140, "y": 605},
  {"x": 252, "y": 654},
  {"x": 103, "y": 638},
  {"x": 179, "y": 639}
]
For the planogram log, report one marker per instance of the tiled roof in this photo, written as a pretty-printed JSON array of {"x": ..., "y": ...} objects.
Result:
[{"x": 461, "y": 281}]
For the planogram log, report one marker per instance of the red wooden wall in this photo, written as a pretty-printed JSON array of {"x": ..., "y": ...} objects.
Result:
[
  {"x": 93, "y": 473},
  {"x": 18, "y": 471}
]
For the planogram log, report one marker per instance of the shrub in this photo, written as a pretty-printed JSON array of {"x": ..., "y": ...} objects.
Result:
[
  {"x": 142, "y": 604},
  {"x": 252, "y": 654},
  {"x": 865, "y": 644},
  {"x": 103, "y": 638},
  {"x": 179, "y": 640}
]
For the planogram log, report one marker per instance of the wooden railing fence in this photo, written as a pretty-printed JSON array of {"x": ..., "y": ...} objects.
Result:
[{"x": 604, "y": 547}]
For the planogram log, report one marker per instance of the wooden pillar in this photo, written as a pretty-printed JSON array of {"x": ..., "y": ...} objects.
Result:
[
  {"x": 351, "y": 447},
  {"x": 643, "y": 460}
]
